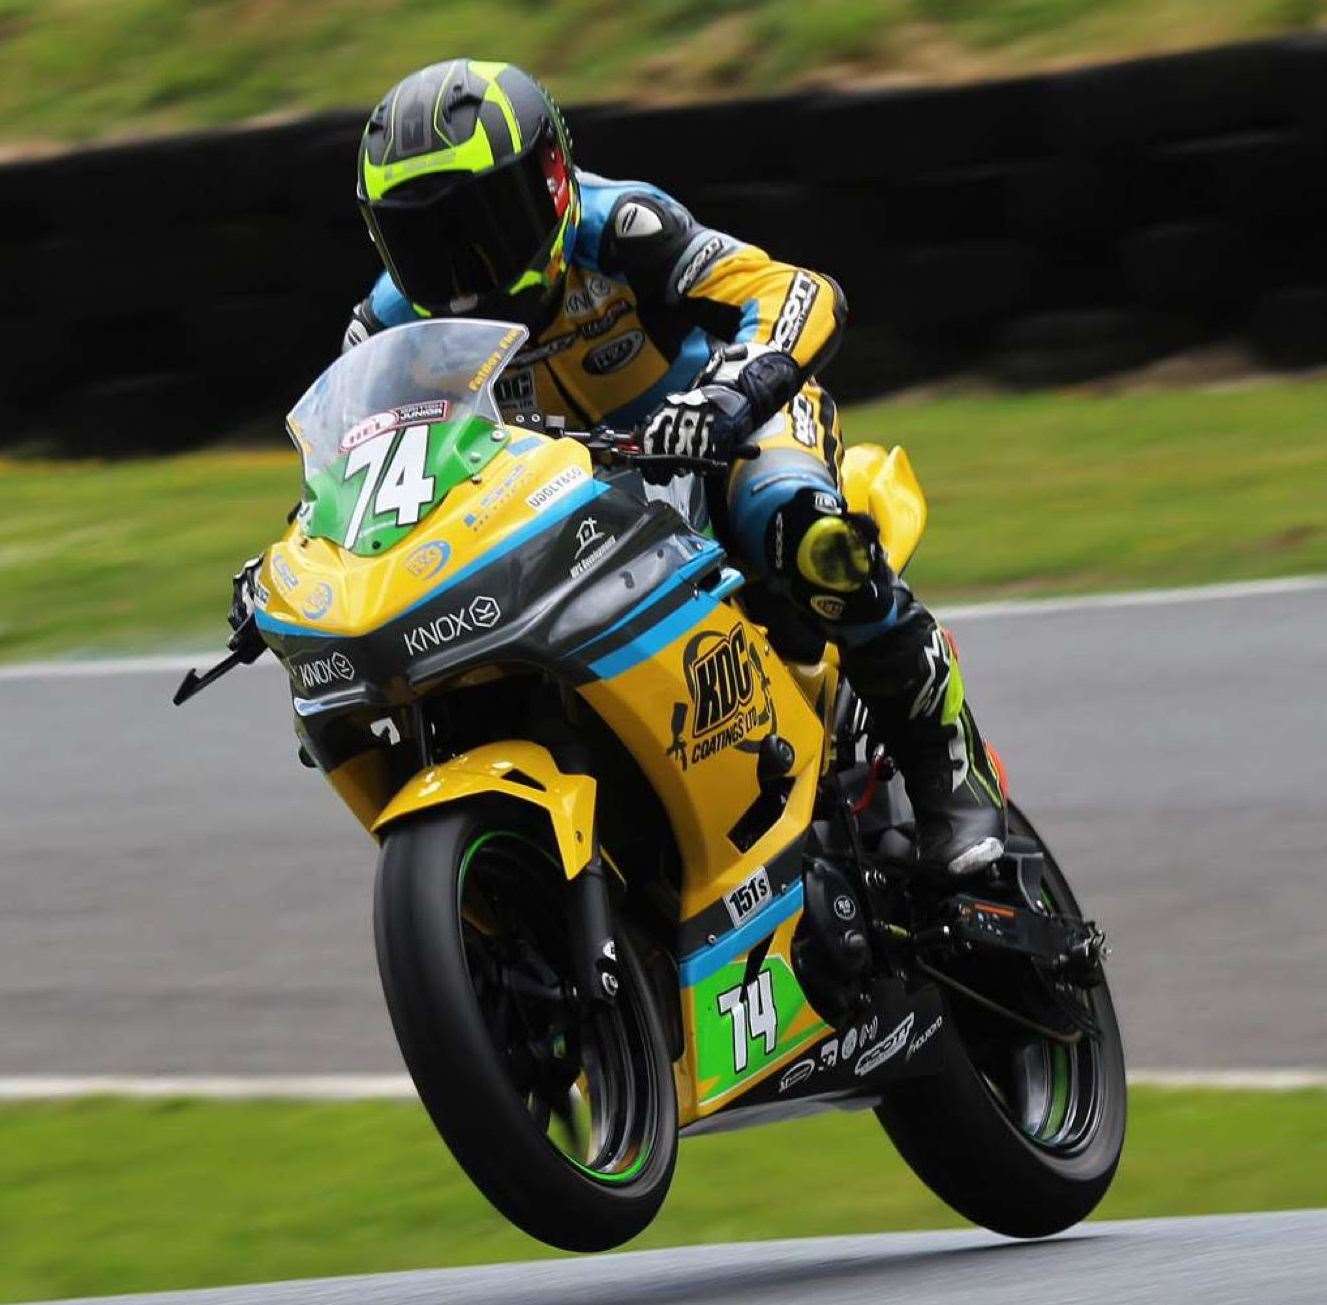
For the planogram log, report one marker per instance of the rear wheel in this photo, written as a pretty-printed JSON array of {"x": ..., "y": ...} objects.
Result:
[
  {"x": 1020, "y": 1133},
  {"x": 565, "y": 1119}
]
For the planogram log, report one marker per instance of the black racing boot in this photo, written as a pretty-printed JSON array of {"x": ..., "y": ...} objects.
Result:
[{"x": 910, "y": 680}]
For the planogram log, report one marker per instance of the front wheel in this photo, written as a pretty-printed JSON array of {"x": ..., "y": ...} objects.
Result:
[
  {"x": 1019, "y": 1133},
  {"x": 565, "y": 1120}
]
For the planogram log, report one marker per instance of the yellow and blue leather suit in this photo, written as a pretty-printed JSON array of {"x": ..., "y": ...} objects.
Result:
[{"x": 647, "y": 296}]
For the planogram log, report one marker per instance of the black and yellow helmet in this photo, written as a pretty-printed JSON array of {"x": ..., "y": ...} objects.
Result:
[{"x": 467, "y": 186}]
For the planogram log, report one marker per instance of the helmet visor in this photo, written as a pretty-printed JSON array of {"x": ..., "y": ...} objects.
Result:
[{"x": 453, "y": 237}]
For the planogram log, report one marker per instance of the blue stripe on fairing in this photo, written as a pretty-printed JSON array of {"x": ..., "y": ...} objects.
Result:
[
  {"x": 710, "y": 960},
  {"x": 680, "y": 576},
  {"x": 559, "y": 511},
  {"x": 645, "y": 645}
]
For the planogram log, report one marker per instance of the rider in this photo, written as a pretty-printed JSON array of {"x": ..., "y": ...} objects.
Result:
[{"x": 639, "y": 314}]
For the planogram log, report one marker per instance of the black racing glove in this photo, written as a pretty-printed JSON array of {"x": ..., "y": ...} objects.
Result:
[
  {"x": 738, "y": 391},
  {"x": 709, "y": 422},
  {"x": 246, "y": 588}
]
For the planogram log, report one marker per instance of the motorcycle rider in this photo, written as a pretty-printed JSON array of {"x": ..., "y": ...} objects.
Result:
[{"x": 641, "y": 315}]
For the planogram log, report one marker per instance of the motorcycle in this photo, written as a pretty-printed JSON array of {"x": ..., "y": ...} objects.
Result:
[{"x": 642, "y": 874}]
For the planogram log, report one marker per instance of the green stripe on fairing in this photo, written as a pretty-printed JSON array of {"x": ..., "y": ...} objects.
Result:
[
  {"x": 457, "y": 450},
  {"x": 467, "y": 856},
  {"x": 714, "y": 1029}
]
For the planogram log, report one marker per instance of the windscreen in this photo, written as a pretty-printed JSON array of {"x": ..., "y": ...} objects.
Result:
[{"x": 394, "y": 424}]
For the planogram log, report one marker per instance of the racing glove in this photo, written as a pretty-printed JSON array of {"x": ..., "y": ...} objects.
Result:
[
  {"x": 738, "y": 391},
  {"x": 246, "y": 588}
]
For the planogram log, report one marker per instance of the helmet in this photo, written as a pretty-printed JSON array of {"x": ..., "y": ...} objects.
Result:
[{"x": 466, "y": 183}]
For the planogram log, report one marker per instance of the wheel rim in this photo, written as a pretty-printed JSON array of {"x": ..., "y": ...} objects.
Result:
[{"x": 585, "y": 1080}]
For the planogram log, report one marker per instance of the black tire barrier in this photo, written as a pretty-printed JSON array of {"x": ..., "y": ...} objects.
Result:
[
  {"x": 1066, "y": 347},
  {"x": 1289, "y": 327},
  {"x": 1043, "y": 229}
]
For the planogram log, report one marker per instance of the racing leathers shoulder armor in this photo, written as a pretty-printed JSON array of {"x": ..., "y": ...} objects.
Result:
[{"x": 649, "y": 295}]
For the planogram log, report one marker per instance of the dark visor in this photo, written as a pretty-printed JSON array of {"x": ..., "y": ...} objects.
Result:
[{"x": 454, "y": 235}]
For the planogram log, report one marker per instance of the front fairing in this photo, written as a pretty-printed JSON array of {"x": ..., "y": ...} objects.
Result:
[{"x": 535, "y": 562}]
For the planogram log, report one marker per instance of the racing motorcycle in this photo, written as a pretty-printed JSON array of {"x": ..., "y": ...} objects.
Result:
[{"x": 642, "y": 873}]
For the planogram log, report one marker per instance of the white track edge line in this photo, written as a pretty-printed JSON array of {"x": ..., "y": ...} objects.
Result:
[
  {"x": 181, "y": 662},
  {"x": 398, "y": 1087}
]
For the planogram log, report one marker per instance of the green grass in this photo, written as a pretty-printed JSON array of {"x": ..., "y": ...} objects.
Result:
[
  {"x": 1051, "y": 493},
  {"x": 78, "y": 69},
  {"x": 115, "y": 1196}
]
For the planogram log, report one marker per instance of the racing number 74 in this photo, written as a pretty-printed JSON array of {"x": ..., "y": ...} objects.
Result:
[{"x": 754, "y": 1016}]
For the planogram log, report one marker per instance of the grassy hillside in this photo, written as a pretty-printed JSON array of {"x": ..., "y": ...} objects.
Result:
[{"x": 80, "y": 69}]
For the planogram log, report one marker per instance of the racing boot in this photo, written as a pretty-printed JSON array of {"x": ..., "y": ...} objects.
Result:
[
  {"x": 904, "y": 667},
  {"x": 910, "y": 680}
]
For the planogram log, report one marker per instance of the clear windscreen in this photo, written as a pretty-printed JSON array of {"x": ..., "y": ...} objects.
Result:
[{"x": 394, "y": 424}]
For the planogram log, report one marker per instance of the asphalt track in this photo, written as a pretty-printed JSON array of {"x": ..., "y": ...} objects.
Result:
[
  {"x": 181, "y": 896},
  {"x": 1279, "y": 1259}
]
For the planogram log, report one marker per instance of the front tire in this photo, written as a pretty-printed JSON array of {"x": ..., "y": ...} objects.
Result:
[
  {"x": 567, "y": 1123},
  {"x": 1022, "y": 1137}
]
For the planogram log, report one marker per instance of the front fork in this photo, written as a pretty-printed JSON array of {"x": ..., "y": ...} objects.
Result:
[{"x": 593, "y": 949}]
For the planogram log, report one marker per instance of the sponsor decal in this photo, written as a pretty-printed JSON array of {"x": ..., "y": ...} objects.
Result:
[
  {"x": 827, "y": 503},
  {"x": 796, "y": 1074},
  {"x": 588, "y": 297},
  {"x": 828, "y": 606},
  {"x": 829, "y": 1053},
  {"x": 545, "y": 350},
  {"x": 318, "y": 601},
  {"x": 481, "y": 613},
  {"x": 796, "y": 309},
  {"x": 318, "y": 672},
  {"x": 748, "y": 897},
  {"x": 428, "y": 559},
  {"x": 606, "y": 320},
  {"x": 635, "y": 220},
  {"x": 393, "y": 419},
  {"x": 591, "y": 546},
  {"x": 261, "y": 595},
  {"x": 285, "y": 577},
  {"x": 515, "y": 390},
  {"x": 493, "y": 361},
  {"x": 495, "y": 497},
  {"x": 615, "y": 354},
  {"x": 889, "y": 1046},
  {"x": 554, "y": 489},
  {"x": 699, "y": 262},
  {"x": 923, "y": 1037},
  {"x": 849, "y": 1044},
  {"x": 722, "y": 675},
  {"x": 844, "y": 907},
  {"x": 803, "y": 420}
]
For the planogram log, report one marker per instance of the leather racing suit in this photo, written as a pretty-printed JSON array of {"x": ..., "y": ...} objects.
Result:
[{"x": 648, "y": 296}]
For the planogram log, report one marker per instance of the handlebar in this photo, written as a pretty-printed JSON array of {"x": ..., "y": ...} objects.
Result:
[{"x": 616, "y": 448}]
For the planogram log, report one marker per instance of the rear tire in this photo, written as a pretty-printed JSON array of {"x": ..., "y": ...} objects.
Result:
[
  {"x": 965, "y": 1139},
  {"x": 431, "y": 959}
]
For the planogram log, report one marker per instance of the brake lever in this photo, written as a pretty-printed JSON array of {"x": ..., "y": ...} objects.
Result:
[
  {"x": 246, "y": 646},
  {"x": 193, "y": 683}
]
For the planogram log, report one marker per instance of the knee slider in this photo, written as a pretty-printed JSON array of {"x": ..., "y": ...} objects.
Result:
[{"x": 814, "y": 540}]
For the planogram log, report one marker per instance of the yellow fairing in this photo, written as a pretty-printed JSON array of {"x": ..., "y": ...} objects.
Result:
[
  {"x": 505, "y": 769},
  {"x": 322, "y": 588},
  {"x": 882, "y": 484}
]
